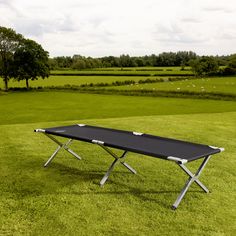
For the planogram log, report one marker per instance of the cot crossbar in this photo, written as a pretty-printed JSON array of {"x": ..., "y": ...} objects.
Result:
[
  {"x": 65, "y": 146},
  {"x": 118, "y": 159},
  {"x": 192, "y": 178}
]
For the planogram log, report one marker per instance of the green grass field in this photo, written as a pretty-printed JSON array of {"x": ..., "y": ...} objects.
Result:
[
  {"x": 220, "y": 85},
  {"x": 29, "y": 107},
  {"x": 65, "y": 198},
  {"x": 54, "y": 80},
  {"x": 85, "y": 78}
]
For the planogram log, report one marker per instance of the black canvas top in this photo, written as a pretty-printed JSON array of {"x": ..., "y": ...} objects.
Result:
[{"x": 144, "y": 144}]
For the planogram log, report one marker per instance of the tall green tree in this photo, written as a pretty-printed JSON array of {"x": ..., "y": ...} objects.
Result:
[
  {"x": 230, "y": 69},
  {"x": 205, "y": 65},
  {"x": 30, "y": 62},
  {"x": 9, "y": 42},
  {"x": 232, "y": 61}
]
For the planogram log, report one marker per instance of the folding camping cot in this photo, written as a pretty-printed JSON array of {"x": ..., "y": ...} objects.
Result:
[{"x": 180, "y": 152}]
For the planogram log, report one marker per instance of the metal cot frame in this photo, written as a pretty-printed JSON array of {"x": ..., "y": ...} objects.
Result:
[{"x": 193, "y": 177}]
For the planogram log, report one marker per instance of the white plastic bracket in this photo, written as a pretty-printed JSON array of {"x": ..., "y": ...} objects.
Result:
[
  {"x": 182, "y": 161},
  {"x": 221, "y": 148},
  {"x": 97, "y": 142},
  {"x": 137, "y": 133},
  {"x": 40, "y": 130}
]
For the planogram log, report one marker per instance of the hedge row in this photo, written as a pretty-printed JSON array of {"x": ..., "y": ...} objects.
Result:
[
  {"x": 119, "y": 74},
  {"x": 101, "y": 74},
  {"x": 144, "y": 92},
  {"x": 128, "y": 82},
  {"x": 160, "y": 93}
]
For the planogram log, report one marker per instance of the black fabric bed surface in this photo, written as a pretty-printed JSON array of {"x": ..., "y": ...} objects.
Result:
[{"x": 144, "y": 144}]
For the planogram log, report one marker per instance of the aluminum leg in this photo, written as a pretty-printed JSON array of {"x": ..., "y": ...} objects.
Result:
[
  {"x": 192, "y": 178},
  {"x": 61, "y": 145},
  {"x": 73, "y": 153},
  {"x": 115, "y": 162},
  {"x": 52, "y": 156},
  {"x": 129, "y": 167},
  {"x": 105, "y": 177},
  {"x": 122, "y": 157},
  {"x": 200, "y": 184}
]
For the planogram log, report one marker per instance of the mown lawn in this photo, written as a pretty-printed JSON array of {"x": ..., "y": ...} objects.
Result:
[
  {"x": 65, "y": 198},
  {"x": 218, "y": 85},
  {"x": 26, "y": 107}
]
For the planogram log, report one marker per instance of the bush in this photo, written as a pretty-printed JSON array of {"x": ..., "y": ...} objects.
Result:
[
  {"x": 149, "y": 69},
  {"x": 228, "y": 71}
]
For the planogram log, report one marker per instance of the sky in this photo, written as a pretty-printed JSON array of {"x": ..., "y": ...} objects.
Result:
[{"x": 113, "y": 27}]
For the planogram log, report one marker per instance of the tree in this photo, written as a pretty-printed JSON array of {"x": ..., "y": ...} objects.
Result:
[
  {"x": 52, "y": 64},
  {"x": 204, "y": 66},
  {"x": 139, "y": 61},
  {"x": 63, "y": 62},
  {"x": 78, "y": 64},
  {"x": 30, "y": 62},
  {"x": 232, "y": 61},
  {"x": 230, "y": 69},
  {"x": 9, "y": 42}
]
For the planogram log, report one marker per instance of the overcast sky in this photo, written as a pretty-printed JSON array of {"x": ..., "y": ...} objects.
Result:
[{"x": 113, "y": 27}]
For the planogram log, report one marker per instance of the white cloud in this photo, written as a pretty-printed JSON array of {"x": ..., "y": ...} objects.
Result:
[{"x": 111, "y": 27}]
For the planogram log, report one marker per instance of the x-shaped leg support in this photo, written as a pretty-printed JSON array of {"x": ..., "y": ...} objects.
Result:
[
  {"x": 192, "y": 178},
  {"x": 64, "y": 146},
  {"x": 114, "y": 163}
]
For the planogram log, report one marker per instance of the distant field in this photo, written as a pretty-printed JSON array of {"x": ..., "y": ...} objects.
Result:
[
  {"x": 220, "y": 85},
  {"x": 73, "y": 80},
  {"x": 223, "y": 86},
  {"x": 99, "y": 75}
]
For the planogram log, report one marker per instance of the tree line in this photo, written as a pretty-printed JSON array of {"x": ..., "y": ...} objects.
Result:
[
  {"x": 200, "y": 65},
  {"x": 181, "y": 58}
]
